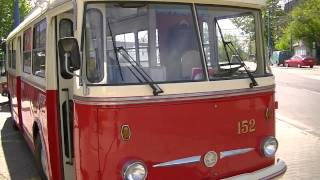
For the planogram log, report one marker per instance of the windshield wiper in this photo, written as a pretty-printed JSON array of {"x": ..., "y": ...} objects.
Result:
[
  {"x": 115, "y": 49},
  {"x": 155, "y": 87},
  {"x": 229, "y": 44}
]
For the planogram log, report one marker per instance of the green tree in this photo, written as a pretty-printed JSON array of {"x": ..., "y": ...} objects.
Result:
[
  {"x": 278, "y": 20},
  {"x": 304, "y": 25},
  {"x": 238, "y": 46},
  {"x": 6, "y": 15}
]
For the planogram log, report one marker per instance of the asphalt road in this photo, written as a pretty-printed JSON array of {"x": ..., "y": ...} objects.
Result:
[{"x": 298, "y": 94}]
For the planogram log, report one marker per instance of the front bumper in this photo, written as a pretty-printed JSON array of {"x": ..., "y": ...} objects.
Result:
[{"x": 266, "y": 173}]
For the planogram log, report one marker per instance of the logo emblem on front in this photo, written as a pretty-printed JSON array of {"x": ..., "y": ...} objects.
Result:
[{"x": 210, "y": 159}]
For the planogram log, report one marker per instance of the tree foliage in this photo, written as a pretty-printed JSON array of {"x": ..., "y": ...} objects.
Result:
[
  {"x": 6, "y": 15},
  {"x": 304, "y": 25},
  {"x": 274, "y": 14}
]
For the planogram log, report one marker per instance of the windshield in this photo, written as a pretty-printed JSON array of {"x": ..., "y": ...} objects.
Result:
[
  {"x": 163, "y": 40},
  {"x": 229, "y": 37}
]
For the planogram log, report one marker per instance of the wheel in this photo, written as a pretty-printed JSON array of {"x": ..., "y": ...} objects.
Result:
[
  {"x": 14, "y": 125},
  {"x": 4, "y": 93},
  {"x": 286, "y": 65},
  {"x": 41, "y": 159},
  {"x": 311, "y": 66},
  {"x": 299, "y": 65}
]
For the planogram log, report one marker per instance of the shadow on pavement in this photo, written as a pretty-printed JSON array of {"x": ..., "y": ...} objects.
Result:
[
  {"x": 17, "y": 155},
  {"x": 4, "y": 107}
]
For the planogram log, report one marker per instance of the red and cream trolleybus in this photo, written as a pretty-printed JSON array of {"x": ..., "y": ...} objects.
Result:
[{"x": 136, "y": 90}]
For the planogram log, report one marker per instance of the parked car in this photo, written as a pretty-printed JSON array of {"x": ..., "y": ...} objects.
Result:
[
  {"x": 278, "y": 57},
  {"x": 299, "y": 61}
]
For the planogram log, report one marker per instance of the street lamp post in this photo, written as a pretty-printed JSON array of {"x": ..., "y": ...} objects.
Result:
[
  {"x": 269, "y": 30},
  {"x": 16, "y": 13}
]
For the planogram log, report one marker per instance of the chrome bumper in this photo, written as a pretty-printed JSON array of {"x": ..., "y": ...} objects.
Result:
[{"x": 266, "y": 173}]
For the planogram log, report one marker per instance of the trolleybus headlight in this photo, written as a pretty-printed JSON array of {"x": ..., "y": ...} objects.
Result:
[
  {"x": 135, "y": 171},
  {"x": 269, "y": 146}
]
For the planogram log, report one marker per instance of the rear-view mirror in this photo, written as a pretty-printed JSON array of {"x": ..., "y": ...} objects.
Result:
[{"x": 69, "y": 56}]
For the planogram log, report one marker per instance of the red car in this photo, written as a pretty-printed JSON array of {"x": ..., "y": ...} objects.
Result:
[{"x": 299, "y": 61}]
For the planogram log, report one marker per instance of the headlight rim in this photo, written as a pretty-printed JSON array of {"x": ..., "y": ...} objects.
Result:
[
  {"x": 130, "y": 164},
  {"x": 263, "y": 145}
]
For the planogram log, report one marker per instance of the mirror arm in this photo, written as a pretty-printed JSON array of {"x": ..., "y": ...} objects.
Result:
[
  {"x": 84, "y": 84},
  {"x": 66, "y": 66}
]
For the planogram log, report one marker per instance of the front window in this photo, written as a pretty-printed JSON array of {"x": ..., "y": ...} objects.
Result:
[
  {"x": 229, "y": 40},
  {"x": 162, "y": 40}
]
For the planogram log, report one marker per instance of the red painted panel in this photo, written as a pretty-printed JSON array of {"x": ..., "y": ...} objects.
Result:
[
  {"x": 42, "y": 107},
  {"x": 168, "y": 131},
  {"x": 13, "y": 85},
  {"x": 29, "y": 108},
  {"x": 53, "y": 135},
  {"x": 86, "y": 142}
]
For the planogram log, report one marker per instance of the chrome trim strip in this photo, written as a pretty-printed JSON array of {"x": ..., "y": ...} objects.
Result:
[
  {"x": 193, "y": 159},
  {"x": 235, "y": 152},
  {"x": 170, "y": 98}
]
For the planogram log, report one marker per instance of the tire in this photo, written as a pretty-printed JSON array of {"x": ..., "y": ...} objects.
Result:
[
  {"x": 299, "y": 65},
  {"x": 40, "y": 158},
  {"x": 14, "y": 125},
  {"x": 311, "y": 66},
  {"x": 286, "y": 65}
]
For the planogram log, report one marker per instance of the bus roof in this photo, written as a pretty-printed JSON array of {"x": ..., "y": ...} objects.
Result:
[
  {"x": 38, "y": 11},
  {"x": 35, "y": 13}
]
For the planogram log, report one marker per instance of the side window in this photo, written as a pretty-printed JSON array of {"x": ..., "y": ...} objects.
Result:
[
  {"x": 65, "y": 28},
  {"x": 14, "y": 55},
  {"x": 39, "y": 49},
  {"x": 9, "y": 53},
  {"x": 128, "y": 42},
  {"x": 27, "y": 40},
  {"x": 143, "y": 48},
  {"x": 205, "y": 39},
  {"x": 94, "y": 46}
]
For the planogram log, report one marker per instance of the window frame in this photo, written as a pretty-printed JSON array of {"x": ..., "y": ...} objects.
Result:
[{"x": 85, "y": 44}]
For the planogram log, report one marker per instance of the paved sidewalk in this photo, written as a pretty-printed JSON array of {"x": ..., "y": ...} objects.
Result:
[
  {"x": 16, "y": 160},
  {"x": 300, "y": 150}
]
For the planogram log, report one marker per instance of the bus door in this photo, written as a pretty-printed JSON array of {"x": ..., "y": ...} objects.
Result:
[{"x": 65, "y": 29}]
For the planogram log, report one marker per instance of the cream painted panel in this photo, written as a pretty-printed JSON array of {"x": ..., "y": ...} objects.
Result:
[{"x": 169, "y": 89}]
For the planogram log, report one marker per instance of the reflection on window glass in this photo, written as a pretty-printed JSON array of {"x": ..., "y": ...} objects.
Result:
[
  {"x": 65, "y": 28},
  {"x": 39, "y": 49},
  {"x": 94, "y": 46},
  {"x": 127, "y": 41},
  {"x": 14, "y": 49},
  {"x": 9, "y": 54},
  {"x": 237, "y": 27},
  {"x": 160, "y": 39},
  {"x": 205, "y": 40},
  {"x": 27, "y": 35},
  {"x": 143, "y": 48}
]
